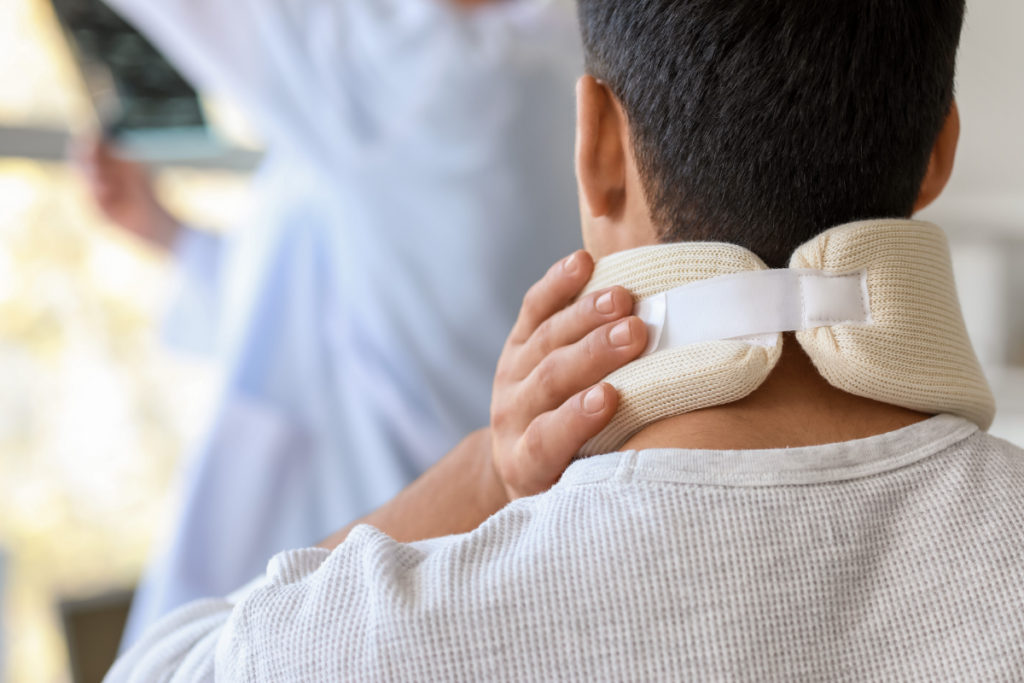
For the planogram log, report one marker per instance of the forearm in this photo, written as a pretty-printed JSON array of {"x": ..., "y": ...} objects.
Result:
[
  {"x": 163, "y": 230},
  {"x": 454, "y": 496},
  {"x": 473, "y": 482}
]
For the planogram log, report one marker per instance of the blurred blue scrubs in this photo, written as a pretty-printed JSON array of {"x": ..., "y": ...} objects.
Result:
[{"x": 419, "y": 180}]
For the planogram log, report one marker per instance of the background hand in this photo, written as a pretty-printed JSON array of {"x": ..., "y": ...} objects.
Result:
[
  {"x": 123, "y": 191},
  {"x": 546, "y": 403}
]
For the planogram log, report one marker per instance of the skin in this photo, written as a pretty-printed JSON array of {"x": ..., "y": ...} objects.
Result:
[
  {"x": 547, "y": 401},
  {"x": 940, "y": 164},
  {"x": 123, "y": 192},
  {"x": 795, "y": 406},
  {"x": 548, "y": 398},
  {"x": 544, "y": 406}
]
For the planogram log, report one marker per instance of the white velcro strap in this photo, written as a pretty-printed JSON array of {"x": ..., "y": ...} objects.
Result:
[{"x": 753, "y": 306}]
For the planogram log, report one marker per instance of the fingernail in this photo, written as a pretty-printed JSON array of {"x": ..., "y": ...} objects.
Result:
[
  {"x": 593, "y": 402},
  {"x": 604, "y": 303},
  {"x": 621, "y": 334},
  {"x": 571, "y": 265}
]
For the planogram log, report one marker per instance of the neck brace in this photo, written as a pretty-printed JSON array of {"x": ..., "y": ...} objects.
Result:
[{"x": 872, "y": 303}]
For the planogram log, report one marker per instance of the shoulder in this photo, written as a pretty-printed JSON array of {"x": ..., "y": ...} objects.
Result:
[
  {"x": 981, "y": 476},
  {"x": 371, "y": 560},
  {"x": 994, "y": 448},
  {"x": 352, "y": 609}
]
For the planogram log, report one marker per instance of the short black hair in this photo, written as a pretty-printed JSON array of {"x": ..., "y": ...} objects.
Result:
[{"x": 765, "y": 122}]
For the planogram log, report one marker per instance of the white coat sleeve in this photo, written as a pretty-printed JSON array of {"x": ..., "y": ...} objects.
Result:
[
  {"x": 305, "y": 71},
  {"x": 253, "y": 51},
  {"x": 192, "y": 321}
]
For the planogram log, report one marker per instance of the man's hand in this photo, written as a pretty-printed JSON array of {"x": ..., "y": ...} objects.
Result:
[
  {"x": 123, "y": 192},
  {"x": 546, "y": 403}
]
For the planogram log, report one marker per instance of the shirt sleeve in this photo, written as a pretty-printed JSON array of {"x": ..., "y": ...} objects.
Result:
[
  {"x": 181, "y": 647},
  {"x": 309, "y": 73},
  {"x": 314, "y": 608},
  {"x": 192, "y": 321},
  {"x": 249, "y": 50}
]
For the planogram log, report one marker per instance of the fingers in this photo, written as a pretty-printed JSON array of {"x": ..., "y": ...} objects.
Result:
[
  {"x": 554, "y": 438},
  {"x": 570, "y": 325},
  {"x": 571, "y": 369},
  {"x": 545, "y": 404},
  {"x": 556, "y": 289}
]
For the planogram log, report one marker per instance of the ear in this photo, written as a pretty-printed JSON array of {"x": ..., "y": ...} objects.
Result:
[
  {"x": 940, "y": 165},
  {"x": 600, "y": 155}
]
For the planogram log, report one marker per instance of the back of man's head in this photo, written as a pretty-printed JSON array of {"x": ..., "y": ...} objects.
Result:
[{"x": 764, "y": 122}]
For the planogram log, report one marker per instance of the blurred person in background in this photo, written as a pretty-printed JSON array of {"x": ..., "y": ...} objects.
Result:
[{"x": 419, "y": 179}]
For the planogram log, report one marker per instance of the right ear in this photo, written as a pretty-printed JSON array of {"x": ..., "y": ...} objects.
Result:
[
  {"x": 600, "y": 157},
  {"x": 940, "y": 164}
]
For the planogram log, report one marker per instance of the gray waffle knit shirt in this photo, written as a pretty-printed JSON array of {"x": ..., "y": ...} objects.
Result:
[{"x": 895, "y": 558}]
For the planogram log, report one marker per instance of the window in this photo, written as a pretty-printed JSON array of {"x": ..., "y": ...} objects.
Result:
[{"x": 95, "y": 413}]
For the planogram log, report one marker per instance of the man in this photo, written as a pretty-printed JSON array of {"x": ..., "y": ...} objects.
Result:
[
  {"x": 863, "y": 541},
  {"x": 418, "y": 180}
]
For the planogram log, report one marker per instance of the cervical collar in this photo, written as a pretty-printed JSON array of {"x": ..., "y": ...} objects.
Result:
[{"x": 872, "y": 303}]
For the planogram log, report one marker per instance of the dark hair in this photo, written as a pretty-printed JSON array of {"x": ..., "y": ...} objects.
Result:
[{"x": 764, "y": 122}]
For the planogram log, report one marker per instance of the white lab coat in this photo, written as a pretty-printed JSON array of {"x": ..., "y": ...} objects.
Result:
[{"x": 427, "y": 181}]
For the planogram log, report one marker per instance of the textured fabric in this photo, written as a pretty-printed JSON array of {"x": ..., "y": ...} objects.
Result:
[
  {"x": 420, "y": 179},
  {"x": 753, "y": 306},
  {"x": 894, "y": 558},
  {"x": 678, "y": 380},
  {"x": 914, "y": 353}
]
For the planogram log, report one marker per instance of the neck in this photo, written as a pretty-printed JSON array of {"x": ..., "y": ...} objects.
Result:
[{"x": 794, "y": 407}]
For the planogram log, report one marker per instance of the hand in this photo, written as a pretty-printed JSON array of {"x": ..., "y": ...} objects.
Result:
[
  {"x": 123, "y": 192},
  {"x": 546, "y": 404}
]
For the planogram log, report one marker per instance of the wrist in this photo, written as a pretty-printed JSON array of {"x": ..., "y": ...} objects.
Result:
[
  {"x": 491, "y": 492},
  {"x": 167, "y": 230}
]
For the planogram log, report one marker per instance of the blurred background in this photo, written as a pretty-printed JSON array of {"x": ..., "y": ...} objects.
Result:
[{"x": 96, "y": 415}]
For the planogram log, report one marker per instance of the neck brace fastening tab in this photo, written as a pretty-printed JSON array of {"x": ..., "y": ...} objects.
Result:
[
  {"x": 759, "y": 303},
  {"x": 873, "y": 304}
]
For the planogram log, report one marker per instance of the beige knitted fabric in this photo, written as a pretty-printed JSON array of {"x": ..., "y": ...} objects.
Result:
[
  {"x": 677, "y": 381},
  {"x": 915, "y": 353}
]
